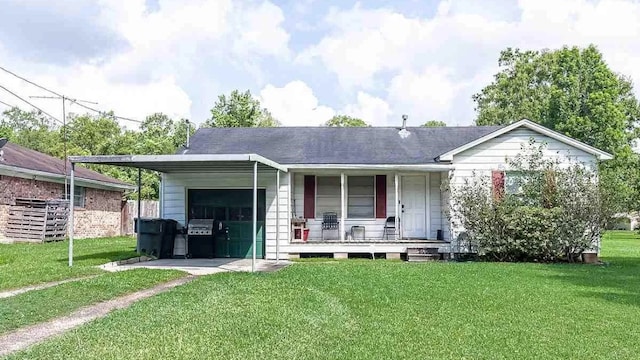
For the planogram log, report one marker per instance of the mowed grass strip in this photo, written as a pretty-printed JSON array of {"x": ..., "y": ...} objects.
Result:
[
  {"x": 29, "y": 264},
  {"x": 42, "y": 305},
  {"x": 380, "y": 309}
]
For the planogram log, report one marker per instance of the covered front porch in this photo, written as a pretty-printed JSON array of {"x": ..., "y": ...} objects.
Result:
[{"x": 385, "y": 207}]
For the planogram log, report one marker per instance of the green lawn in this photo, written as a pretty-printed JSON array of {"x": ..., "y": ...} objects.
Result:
[
  {"x": 41, "y": 305},
  {"x": 27, "y": 264},
  {"x": 382, "y": 309}
]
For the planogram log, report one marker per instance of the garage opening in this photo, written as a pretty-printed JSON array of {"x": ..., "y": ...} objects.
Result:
[{"x": 232, "y": 211}]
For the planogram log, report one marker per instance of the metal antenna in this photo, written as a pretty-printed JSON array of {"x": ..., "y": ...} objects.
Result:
[{"x": 64, "y": 134}]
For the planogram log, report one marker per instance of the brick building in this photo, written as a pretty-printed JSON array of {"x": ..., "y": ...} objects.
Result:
[{"x": 25, "y": 173}]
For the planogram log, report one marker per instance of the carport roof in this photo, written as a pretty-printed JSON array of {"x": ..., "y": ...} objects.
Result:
[{"x": 182, "y": 162}]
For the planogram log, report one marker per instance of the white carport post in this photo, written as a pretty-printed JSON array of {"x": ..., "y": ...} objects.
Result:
[
  {"x": 255, "y": 215},
  {"x": 277, "y": 215},
  {"x": 139, "y": 209},
  {"x": 397, "y": 222},
  {"x": 70, "y": 227},
  {"x": 342, "y": 207}
]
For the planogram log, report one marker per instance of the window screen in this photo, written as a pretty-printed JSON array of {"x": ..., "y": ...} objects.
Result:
[
  {"x": 327, "y": 195},
  {"x": 361, "y": 197}
]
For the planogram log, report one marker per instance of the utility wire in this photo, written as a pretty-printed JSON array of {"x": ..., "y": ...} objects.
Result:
[
  {"x": 5, "y": 104},
  {"x": 29, "y": 81},
  {"x": 26, "y": 101},
  {"x": 102, "y": 112},
  {"x": 59, "y": 95}
]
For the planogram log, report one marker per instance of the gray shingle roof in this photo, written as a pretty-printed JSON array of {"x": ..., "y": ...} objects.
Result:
[
  {"x": 333, "y": 145},
  {"x": 25, "y": 158}
]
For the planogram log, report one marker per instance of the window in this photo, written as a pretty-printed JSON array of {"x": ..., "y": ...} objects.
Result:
[
  {"x": 78, "y": 195},
  {"x": 361, "y": 200},
  {"x": 513, "y": 182},
  {"x": 327, "y": 195}
]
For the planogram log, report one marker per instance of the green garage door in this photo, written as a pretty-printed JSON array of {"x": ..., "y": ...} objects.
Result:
[{"x": 235, "y": 209}]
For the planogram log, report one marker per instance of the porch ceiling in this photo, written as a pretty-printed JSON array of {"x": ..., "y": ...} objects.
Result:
[{"x": 183, "y": 162}]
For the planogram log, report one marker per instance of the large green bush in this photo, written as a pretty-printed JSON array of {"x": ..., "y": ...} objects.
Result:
[{"x": 558, "y": 213}]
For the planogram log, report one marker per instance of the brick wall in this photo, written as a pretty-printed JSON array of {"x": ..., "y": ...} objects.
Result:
[
  {"x": 96, "y": 223},
  {"x": 100, "y": 217},
  {"x": 15, "y": 187},
  {"x": 102, "y": 200}
]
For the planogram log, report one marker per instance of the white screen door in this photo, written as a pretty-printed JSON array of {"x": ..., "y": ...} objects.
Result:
[{"x": 414, "y": 212}]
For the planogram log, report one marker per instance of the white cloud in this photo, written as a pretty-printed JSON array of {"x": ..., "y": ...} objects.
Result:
[
  {"x": 165, "y": 55},
  {"x": 426, "y": 96},
  {"x": 373, "y": 110},
  {"x": 432, "y": 66},
  {"x": 295, "y": 104}
]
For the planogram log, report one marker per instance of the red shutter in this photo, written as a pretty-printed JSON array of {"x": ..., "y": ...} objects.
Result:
[
  {"x": 381, "y": 196},
  {"x": 497, "y": 180},
  {"x": 309, "y": 196}
]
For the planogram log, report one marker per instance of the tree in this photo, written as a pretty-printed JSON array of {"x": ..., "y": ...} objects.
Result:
[
  {"x": 572, "y": 91},
  {"x": 30, "y": 129},
  {"x": 434, "y": 123},
  {"x": 345, "y": 121},
  {"x": 239, "y": 110}
]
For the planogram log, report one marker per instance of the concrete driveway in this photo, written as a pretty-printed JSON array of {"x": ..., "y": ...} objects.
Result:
[{"x": 201, "y": 266}]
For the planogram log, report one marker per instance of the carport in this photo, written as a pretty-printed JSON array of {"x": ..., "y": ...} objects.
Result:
[{"x": 186, "y": 163}]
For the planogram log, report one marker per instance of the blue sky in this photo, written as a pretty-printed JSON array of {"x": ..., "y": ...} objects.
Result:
[{"x": 305, "y": 60}]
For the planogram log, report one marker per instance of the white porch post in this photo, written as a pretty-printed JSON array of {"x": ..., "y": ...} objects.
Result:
[
  {"x": 70, "y": 223},
  {"x": 342, "y": 207},
  {"x": 397, "y": 224},
  {"x": 255, "y": 215},
  {"x": 277, "y": 215}
]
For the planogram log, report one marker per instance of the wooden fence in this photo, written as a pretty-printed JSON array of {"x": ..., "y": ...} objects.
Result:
[
  {"x": 36, "y": 220},
  {"x": 148, "y": 208}
]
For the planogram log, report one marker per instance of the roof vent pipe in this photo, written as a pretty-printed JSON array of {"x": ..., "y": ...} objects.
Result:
[
  {"x": 404, "y": 133},
  {"x": 188, "y": 131}
]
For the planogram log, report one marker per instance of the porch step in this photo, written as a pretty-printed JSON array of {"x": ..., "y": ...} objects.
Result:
[
  {"x": 416, "y": 250},
  {"x": 423, "y": 257}
]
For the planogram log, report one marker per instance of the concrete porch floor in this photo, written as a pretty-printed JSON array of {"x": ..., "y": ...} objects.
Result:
[{"x": 201, "y": 266}]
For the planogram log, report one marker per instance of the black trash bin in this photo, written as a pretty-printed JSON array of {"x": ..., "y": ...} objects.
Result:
[
  {"x": 170, "y": 228},
  {"x": 150, "y": 234}
]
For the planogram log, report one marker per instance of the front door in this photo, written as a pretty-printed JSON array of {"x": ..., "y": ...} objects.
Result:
[{"x": 414, "y": 209}]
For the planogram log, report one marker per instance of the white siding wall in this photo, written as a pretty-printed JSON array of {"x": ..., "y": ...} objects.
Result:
[
  {"x": 174, "y": 191},
  {"x": 491, "y": 155}
]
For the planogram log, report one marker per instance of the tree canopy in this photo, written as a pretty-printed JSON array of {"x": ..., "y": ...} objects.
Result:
[
  {"x": 239, "y": 109},
  {"x": 434, "y": 123},
  {"x": 346, "y": 121},
  {"x": 98, "y": 135},
  {"x": 572, "y": 91}
]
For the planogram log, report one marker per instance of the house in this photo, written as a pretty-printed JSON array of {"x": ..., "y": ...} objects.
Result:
[
  {"x": 277, "y": 180},
  {"x": 25, "y": 173}
]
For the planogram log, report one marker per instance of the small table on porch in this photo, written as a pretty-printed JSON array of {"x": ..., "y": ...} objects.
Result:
[{"x": 297, "y": 229}]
